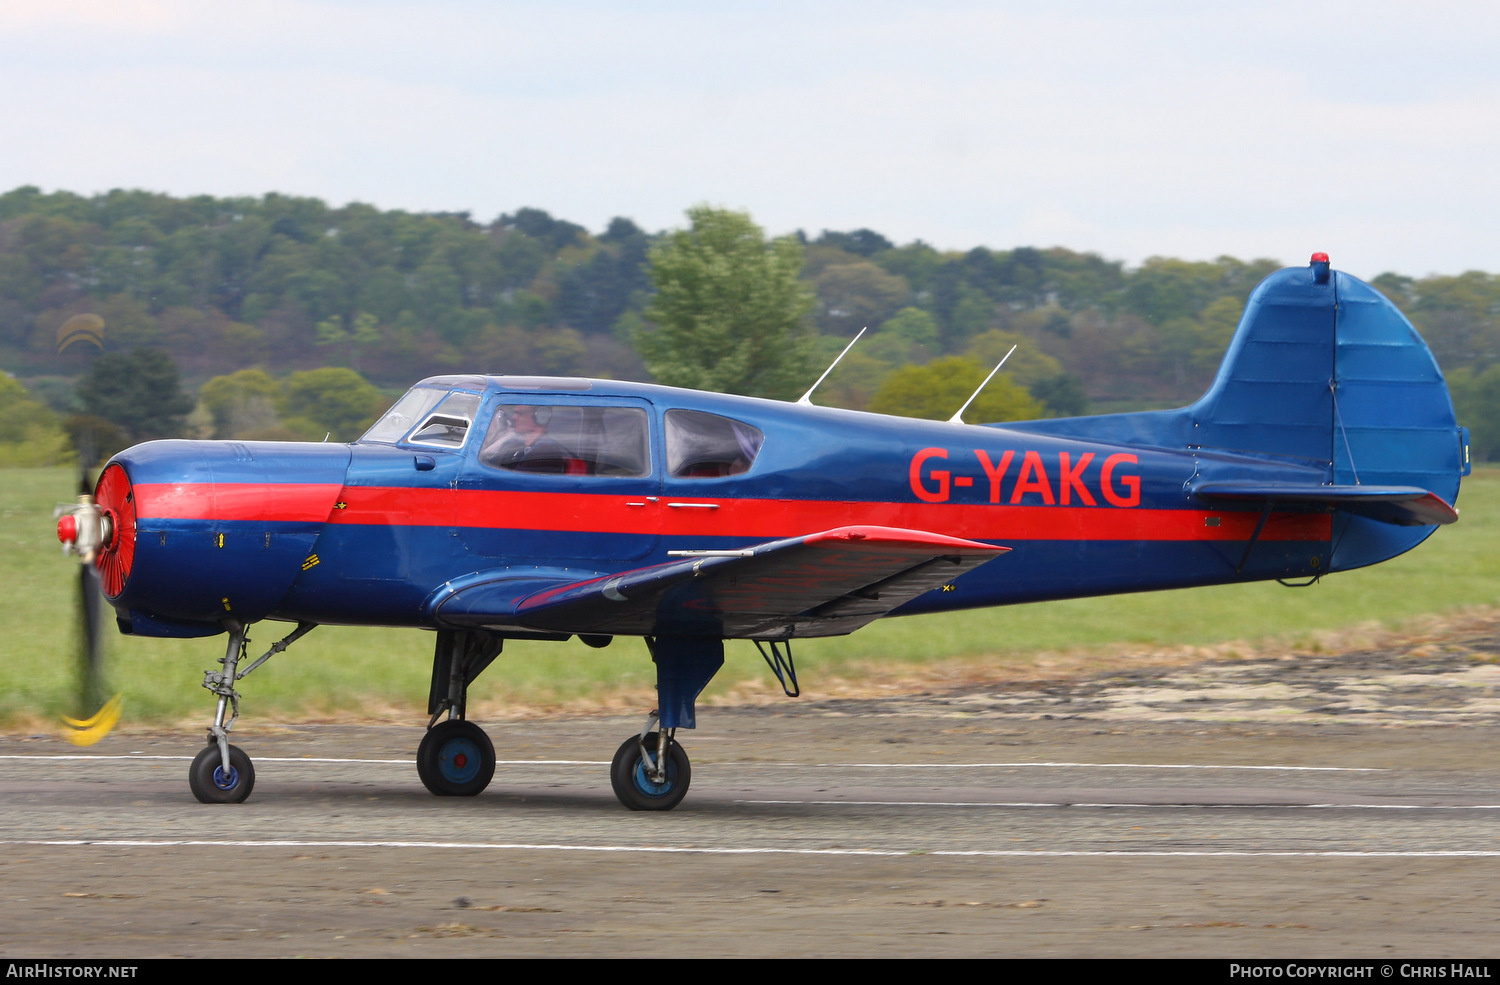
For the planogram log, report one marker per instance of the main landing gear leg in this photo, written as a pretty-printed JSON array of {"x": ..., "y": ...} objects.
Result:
[
  {"x": 646, "y": 778},
  {"x": 651, "y": 771},
  {"x": 456, "y": 758},
  {"x": 222, "y": 773}
]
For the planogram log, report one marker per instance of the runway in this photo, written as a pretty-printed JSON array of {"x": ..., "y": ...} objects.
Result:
[{"x": 838, "y": 828}]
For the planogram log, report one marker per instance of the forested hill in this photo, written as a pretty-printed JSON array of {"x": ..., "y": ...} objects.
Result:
[{"x": 288, "y": 285}]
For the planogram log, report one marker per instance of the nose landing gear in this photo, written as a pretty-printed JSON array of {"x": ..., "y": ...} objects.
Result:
[{"x": 222, "y": 773}]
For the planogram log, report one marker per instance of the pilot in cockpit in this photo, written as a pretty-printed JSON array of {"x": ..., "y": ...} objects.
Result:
[{"x": 518, "y": 440}]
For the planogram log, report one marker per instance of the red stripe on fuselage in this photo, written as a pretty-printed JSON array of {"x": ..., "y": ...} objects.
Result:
[
  {"x": 758, "y": 518},
  {"x": 773, "y": 518},
  {"x": 284, "y": 502}
]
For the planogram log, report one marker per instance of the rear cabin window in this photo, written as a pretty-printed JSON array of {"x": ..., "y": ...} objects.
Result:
[
  {"x": 702, "y": 446},
  {"x": 568, "y": 439}
]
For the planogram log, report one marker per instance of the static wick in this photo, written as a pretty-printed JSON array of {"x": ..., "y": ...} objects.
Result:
[
  {"x": 958, "y": 418},
  {"x": 806, "y": 399}
]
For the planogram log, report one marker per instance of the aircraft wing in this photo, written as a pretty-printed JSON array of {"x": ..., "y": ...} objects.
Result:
[
  {"x": 822, "y": 584},
  {"x": 1406, "y": 506}
]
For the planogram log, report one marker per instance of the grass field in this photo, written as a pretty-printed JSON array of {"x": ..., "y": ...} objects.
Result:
[{"x": 340, "y": 671}]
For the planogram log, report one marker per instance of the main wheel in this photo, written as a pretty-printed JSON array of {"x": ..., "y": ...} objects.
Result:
[
  {"x": 456, "y": 759},
  {"x": 634, "y": 786},
  {"x": 212, "y": 784}
]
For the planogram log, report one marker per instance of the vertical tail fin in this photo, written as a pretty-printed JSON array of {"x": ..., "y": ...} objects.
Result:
[
  {"x": 1327, "y": 377},
  {"x": 1326, "y": 369}
]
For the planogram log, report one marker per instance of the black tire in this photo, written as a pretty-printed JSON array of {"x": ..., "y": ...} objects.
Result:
[
  {"x": 456, "y": 759},
  {"x": 211, "y": 785},
  {"x": 627, "y": 774}
]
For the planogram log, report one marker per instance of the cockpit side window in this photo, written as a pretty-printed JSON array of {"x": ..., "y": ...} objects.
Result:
[
  {"x": 448, "y": 424},
  {"x": 568, "y": 439},
  {"x": 701, "y": 446},
  {"x": 412, "y": 407}
]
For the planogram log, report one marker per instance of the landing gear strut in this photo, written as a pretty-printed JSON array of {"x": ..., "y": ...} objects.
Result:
[
  {"x": 646, "y": 778},
  {"x": 456, "y": 758},
  {"x": 650, "y": 771},
  {"x": 222, "y": 773}
]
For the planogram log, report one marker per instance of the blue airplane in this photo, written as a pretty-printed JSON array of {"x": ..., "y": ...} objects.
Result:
[{"x": 491, "y": 508}]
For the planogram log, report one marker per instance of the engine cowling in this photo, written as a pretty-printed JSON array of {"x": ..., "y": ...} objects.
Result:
[{"x": 201, "y": 532}]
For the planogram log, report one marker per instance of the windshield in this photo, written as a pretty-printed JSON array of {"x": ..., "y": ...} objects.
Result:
[
  {"x": 448, "y": 425},
  {"x": 408, "y": 410}
]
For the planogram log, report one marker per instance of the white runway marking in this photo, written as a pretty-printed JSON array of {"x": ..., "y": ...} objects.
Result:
[
  {"x": 323, "y": 759},
  {"x": 683, "y": 850},
  {"x": 880, "y": 766},
  {"x": 1091, "y": 766},
  {"x": 1181, "y": 806}
]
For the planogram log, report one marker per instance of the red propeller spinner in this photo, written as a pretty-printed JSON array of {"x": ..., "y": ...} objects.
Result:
[{"x": 101, "y": 529}]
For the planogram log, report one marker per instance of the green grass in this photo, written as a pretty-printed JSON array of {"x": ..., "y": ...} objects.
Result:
[{"x": 348, "y": 670}]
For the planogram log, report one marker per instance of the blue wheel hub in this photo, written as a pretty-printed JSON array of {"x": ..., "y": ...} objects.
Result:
[
  {"x": 226, "y": 780},
  {"x": 649, "y": 787},
  {"x": 460, "y": 760}
]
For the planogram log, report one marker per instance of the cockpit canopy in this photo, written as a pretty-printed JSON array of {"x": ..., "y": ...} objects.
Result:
[{"x": 544, "y": 433}]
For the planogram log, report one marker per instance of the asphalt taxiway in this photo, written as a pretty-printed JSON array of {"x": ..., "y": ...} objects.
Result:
[
  {"x": 1299, "y": 806},
  {"x": 903, "y": 827}
]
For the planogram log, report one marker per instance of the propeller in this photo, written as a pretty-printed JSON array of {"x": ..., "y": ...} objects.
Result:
[{"x": 89, "y": 532}]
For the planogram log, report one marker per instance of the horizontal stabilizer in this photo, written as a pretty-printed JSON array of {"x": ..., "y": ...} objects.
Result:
[
  {"x": 822, "y": 584},
  {"x": 1406, "y": 506}
]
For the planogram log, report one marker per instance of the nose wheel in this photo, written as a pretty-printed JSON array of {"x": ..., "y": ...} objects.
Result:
[
  {"x": 456, "y": 759},
  {"x": 214, "y": 783},
  {"x": 647, "y": 781}
]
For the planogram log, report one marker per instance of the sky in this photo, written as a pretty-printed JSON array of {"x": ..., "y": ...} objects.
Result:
[{"x": 1367, "y": 130}]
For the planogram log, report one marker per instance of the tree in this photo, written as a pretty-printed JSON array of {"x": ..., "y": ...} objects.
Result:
[
  {"x": 30, "y": 434},
  {"x": 863, "y": 242},
  {"x": 970, "y": 316},
  {"x": 1216, "y": 327},
  {"x": 1026, "y": 365},
  {"x": 729, "y": 313},
  {"x": 1060, "y": 392},
  {"x": 852, "y": 296},
  {"x": 335, "y": 402},
  {"x": 911, "y": 335},
  {"x": 1460, "y": 318},
  {"x": 1063, "y": 395},
  {"x": 1476, "y": 401},
  {"x": 241, "y": 404},
  {"x": 938, "y": 389},
  {"x": 138, "y": 392}
]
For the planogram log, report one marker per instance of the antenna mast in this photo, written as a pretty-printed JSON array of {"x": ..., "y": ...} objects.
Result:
[
  {"x": 958, "y": 418},
  {"x": 806, "y": 399}
]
